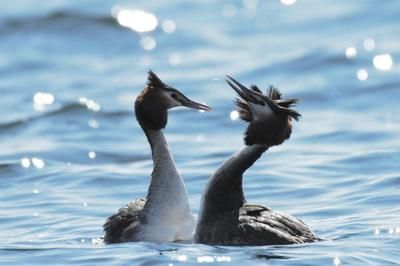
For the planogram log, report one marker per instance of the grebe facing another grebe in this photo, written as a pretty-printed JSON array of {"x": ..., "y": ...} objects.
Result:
[
  {"x": 164, "y": 215},
  {"x": 225, "y": 218}
]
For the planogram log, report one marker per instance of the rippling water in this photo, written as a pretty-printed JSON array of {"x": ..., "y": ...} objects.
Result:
[{"x": 71, "y": 152}]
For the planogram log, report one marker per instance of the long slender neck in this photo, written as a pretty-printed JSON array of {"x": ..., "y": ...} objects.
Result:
[
  {"x": 165, "y": 179},
  {"x": 159, "y": 150},
  {"x": 224, "y": 192}
]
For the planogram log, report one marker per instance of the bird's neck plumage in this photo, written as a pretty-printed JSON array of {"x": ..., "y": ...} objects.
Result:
[
  {"x": 160, "y": 152},
  {"x": 165, "y": 177},
  {"x": 167, "y": 194},
  {"x": 224, "y": 192}
]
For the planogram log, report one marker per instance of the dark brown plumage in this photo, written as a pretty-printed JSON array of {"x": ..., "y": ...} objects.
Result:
[
  {"x": 272, "y": 131},
  {"x": 121, "y": 225},
  {"x": 150, "y": 112},
  {"x": 225, "y": 218},
  {"x": 256, "y": 225}
]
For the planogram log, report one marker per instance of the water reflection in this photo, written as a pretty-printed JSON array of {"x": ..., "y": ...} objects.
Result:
[
  {"x": 41, "y": 100},
  {"x": 137, "y": 20},
  {"x": 369, "y": 44},
  {"x": 168, "y": 26},
  {"x": 92, "y": 155},
  {"x": 362, "y": 74},
  {"x": 182, "y": 258},
  {"x": 36, "y": 162},
  {"x": 148, "y": 43},
  {"x": 90, "y": 104},
  {"x": 351, "y": 52},
  {"x": 93, "y": 123},
  {"x": 234, "y": 115},
  {"x": 336, "y": 261},
  {"x": 202, "y": 259},
  {"x": 288, "y": 2},
  {"x": 25, "y": 162},
  {"x": 383, "y": 62}
]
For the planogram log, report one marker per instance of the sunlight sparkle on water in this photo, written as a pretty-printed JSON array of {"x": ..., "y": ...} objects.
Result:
[
  {"x": 168, "y": 26},
  {"x": 351, "y": 52},
  {"x": 369, "y": 44},
  {"x": 383, "y": 62},
  {"x": 41, "y": 100},
  {"x": 92, "y": 155},
  {"x": 25, "y": 162},
  {"x": 288, "y": 2},
  {"x": 90, "y": 104},
  {"x": 336, "y": 261},
  {"x": 234, "y": 115},
  {"x": 202, "y": 259},
  {"x": 362, "y": 74},
  {"x": 182, "y": 258},
  {"x": 223, "y": 259},
  {"x": 37, "y": 162},
  {"x": 93, "y": 123},
  {"x": 137, "y": 20},
  {"x": 148, "y": 43}
]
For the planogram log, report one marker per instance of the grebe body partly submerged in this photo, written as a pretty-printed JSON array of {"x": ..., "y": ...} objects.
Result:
[
  {"x": 164, "y": 216},
  {"x": 225, "y": 218}
]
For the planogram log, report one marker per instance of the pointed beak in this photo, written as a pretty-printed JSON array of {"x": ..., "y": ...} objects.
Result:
[
  {"x": 278, "y": 106},
  {"x": 243, "y": 92},
  {"x": 195, "y": 105},
  {"x": 247, "y": 94}
]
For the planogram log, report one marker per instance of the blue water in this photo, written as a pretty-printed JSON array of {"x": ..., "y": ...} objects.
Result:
[{"x": 72, "y": 153}]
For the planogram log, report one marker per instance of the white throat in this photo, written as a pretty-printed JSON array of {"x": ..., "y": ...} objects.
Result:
[{"x": 167, "y": 208}]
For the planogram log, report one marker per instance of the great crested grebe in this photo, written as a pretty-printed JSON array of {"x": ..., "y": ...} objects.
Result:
[
  {"x": 225, "y": 218},
  {"x": 164, "y": 215}
]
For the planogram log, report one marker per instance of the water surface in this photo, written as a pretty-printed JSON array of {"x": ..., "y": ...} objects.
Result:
[{"x": 72, "y": 153}]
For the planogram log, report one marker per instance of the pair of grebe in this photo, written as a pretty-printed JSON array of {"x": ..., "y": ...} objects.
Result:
[{"x": 225, "y": 218}]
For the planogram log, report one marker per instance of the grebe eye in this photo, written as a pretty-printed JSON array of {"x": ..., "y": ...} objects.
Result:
[{"x": 173, "y": 95}]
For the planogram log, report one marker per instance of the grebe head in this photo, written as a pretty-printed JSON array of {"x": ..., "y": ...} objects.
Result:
[
  {"x": 268, "y": 115},
  {"x": 153, "y": 102}
]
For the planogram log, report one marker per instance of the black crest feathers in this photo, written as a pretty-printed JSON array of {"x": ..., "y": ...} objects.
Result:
[{"x": 153, "y": 81}]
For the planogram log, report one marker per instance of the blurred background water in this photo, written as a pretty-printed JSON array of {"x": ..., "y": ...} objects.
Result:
[{"x": 72, "y": 153}]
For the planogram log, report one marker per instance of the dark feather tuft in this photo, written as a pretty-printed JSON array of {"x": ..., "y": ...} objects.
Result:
[
  {"x": 288, "y": 102},
  {"x": 153, "y": 81},
  {"x": 255, "y": 88},
  {"x": 274, "y": 93},
  {"x": 244, "y": 111}
]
